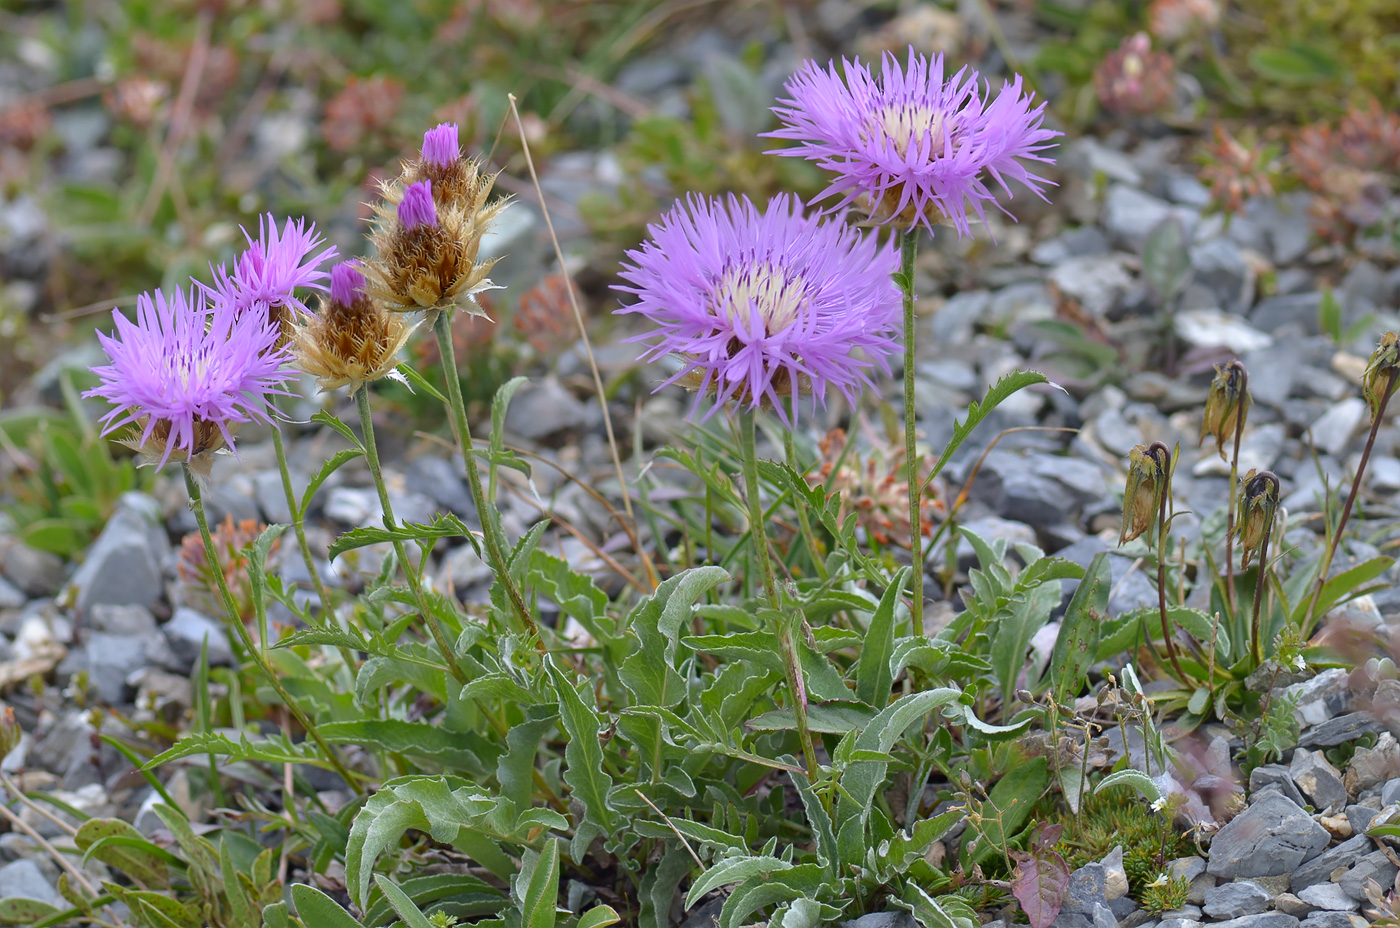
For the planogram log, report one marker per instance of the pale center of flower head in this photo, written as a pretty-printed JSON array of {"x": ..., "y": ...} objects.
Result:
[
  {"x": 778, "y": 297},
  {"x": 907, "y": 125}
]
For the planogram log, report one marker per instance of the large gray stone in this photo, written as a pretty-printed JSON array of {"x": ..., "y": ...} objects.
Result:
[
  {"x": 1329, "y": 896},
  {"x": 1261, "y": 920},
  {"x": 1318, "y": 779},
  {"x": 1340, "y": 730},
  {"x": 1274, "y": 776},
  {"x": 1374, "y": 866},
  {"x": 1324, "y": 919},
  {"x": 187, "y": 631},
  {"x": 1129, "y": 215},
  {"x": 37, "y": 573},
  {"x": 1319, "y": 869},
  {"x": 1272, "y": 837},
  {"x": 1220, "y": 267},
  {"x": 123, "y": 567},
  {"x": 542, "y": 409},
  {"x": 1096, "y": 282},
  {"x": 24, "y": 879},
  {"x": 1235, "y": 900}
]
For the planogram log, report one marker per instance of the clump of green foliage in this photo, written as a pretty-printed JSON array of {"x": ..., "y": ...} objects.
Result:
[
  {"x": 1165, "y": 894},
  {"x": 1119, "y": 817}
]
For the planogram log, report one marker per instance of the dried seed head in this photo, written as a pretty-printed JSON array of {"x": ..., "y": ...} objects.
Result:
[
  {"x": 1149, "y": 478},
  {"x": 1378, "y": 382},
  {"x": 352, "y": 341},
  {"x": 1227, "y": 406},
  {"x": 1258, "y": 503},
  {"x": 428, "y": 236}
]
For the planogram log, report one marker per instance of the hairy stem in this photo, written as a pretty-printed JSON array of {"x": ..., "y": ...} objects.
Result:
[
  {"x": 490, "y": 527},
  {"x": 415, "y": 582},
  {"x": 1230, "y": 516},
  {"x": 809, "y": 538},
  {"x": 908, "y": 243},
  {"x": 236, "y": 620},
  {"x": 1351, "y": 497}
]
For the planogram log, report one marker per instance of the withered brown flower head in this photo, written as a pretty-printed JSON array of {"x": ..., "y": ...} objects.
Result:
[
  {"x": 1381, "y": 371},
  {"x": 1258, "y": 502},
  {"x": 1133, "y": 80},
  {"x": 1149, "y": 479},
  {"x": 1238, "y": 169},
  {"x": 875, "y": 487},
  {"x": 1227, "y": 406},
  {"x": 352, "y": 341}
]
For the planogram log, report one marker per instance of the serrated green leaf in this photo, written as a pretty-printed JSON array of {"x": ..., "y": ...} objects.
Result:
[
  {"x": 444, "y": 525},
  {"x": 334, "y": 463},
  {"x": 659, "y": 884},
  {"x": 1076, "y": 648},
  {"x": 650, "y": 671},
  {"x": 794, "y": 883},
  {"x": 1007, "y": 386},
  {"x": 412, "y": 739},
  {"x": 583, "y": 759}
]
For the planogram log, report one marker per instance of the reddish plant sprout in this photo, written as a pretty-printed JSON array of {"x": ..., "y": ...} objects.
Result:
[
  {"x": 1133, "y": 80},
  {"x": 366, "y": 107},
  {"x": 545, "y": 317},
  {"x": 192, "y": 567},
  {"x": 1174, "y": 20},
  {"x": 23, "y": 125},
  {"x": 137, "y": 100},
  {"x": 1350, "y": 168},
  {"x": 874, "y": 487},
  {"x": 1238, "y": 169}
]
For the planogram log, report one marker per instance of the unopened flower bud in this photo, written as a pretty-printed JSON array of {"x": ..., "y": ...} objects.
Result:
[
  {"x": 1227, "y": 406},
  {"x": 1381, "y": 371},
  {"x": 10, "y": 732},
  {"x": 416, "y": 209},
  {"x": 1257, "y": 505},
  {"x": 1149, "y": 476},
  {"x": 440, "y": 148},
  {"x": 352, "y": 340}
]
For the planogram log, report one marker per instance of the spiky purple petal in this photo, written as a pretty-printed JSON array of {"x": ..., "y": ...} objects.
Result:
[
  {"x": 759, "y": 302},
  {"x": 910, "y": 139},
  {"x": 268, "y": 273},
  {"x": 417, "y": 208},
  {"x": 440, "y": 148},
  {"x": 179, "y": 362}
]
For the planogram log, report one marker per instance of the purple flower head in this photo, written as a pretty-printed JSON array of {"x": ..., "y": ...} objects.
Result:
[
  {"x": 274, "y": 265},
  {"x": 346, "y": 283},
  {"x": 760, "y": 306},
  {"x": 440, "y": 148},
  {"x": 187, "y": 375},
  {"x": 417, "y": 208},
  {"x": 908, "y": 145}
]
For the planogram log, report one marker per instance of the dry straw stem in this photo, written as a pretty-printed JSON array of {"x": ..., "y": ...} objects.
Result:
[{"x": 647, "y": 565}]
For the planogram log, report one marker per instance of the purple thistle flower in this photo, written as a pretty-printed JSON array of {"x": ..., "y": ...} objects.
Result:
[
  {"x": 417, "y": 208},
  {"x": 762, "y": 306},
  {"x": 346, "y": 283},
  {"x": 440, "y": 148},
  {"x": 908, "y": 145},
  {"x": 187, "y": 376},
  {"x": 273, "y": 266}
]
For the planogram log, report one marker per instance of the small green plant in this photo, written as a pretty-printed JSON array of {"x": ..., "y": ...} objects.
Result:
[
  {"x": 1115, "y": 817},
  {"x": 1166, "y": 893}
]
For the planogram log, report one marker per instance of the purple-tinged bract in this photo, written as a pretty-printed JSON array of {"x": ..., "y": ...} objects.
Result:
[
  {"x": 440, "y": 148},
  {"x": 346, "y": 283},
  {"x": 188, "y": 375},
  {"x": 908, "y": 146},
  {"x": 272, "y": 268},
  {"x": 417, "y": 207},
  {"x": 761, "y": 306}
]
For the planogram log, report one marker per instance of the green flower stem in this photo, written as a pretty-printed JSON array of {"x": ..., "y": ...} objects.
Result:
[
  {"x": 490, "y": 528},
  {"x": 1230, "y": 518},
  {"x": 759, "y": 538},
  {"x": 908, "y": 243},
  {"x": 236, "y": 620},
  {"x": 1260, "y": 588},
  {"x": 809, "y": 538},
  {"x": 1351, "y": 497},
  {"x": 299, "y": 528},
  {"x": 415, "y": 582},
  {"x": 1167, "y": 638}
]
